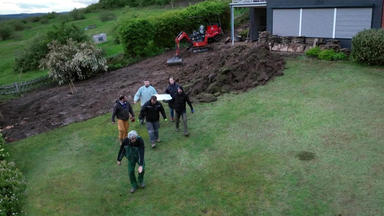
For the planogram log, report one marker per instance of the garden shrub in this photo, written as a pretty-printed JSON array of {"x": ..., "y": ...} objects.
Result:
[
  {"x": 160, "y": 31},
  {"x": 73, "y": 61},
  {"x": 313, "y": 52},
  {"x": 12, "y": 185},
  {"x": 339, "y": 56},
  {"x": 76, "y": 14},
  {"x": 6, "y": 31},
  {"x": 327, "y": 54},
  {"x": 30, "y": 58},
  {"x": 368, "y": 47},
  {"x": 3, "y": 153},
  {"x": 107, "y": 16},
  {"x": 137, "y": 37}
]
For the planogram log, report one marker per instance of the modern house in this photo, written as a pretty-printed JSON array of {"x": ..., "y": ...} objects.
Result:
[{"x": 334, "y": 19}]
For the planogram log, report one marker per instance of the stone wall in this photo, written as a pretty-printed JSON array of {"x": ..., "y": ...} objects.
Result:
[{"x": 298, "y": 44}]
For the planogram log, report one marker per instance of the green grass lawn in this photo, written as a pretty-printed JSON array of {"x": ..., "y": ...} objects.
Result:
[
  {"x": 10, "y": 48},
  {"x": 241, "y": 157}
]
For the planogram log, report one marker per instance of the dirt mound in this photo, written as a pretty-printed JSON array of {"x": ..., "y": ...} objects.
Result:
[
  {"x": 204, "y": 75},
  {"x": 230, "y": 68}
]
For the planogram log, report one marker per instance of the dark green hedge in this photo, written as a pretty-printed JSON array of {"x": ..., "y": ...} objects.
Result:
[
  {"x": 162, "y": 30},
  {"x": 368, "y": 47}
]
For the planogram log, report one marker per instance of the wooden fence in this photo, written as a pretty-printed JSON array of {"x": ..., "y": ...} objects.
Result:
[{"x": 20, "y": 87}]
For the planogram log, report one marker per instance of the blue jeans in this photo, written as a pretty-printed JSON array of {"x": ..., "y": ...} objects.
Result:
[
  {"x": 171, "y": 110},
  {"x": 153, "y": 130}
]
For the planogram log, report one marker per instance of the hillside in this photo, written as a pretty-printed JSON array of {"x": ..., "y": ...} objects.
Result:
[{"x": 35, "y": 27}]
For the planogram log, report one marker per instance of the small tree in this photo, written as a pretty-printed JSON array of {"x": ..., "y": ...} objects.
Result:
[
  {"x": 73, "y": 61},
  {"x": 368, "y": 47}
]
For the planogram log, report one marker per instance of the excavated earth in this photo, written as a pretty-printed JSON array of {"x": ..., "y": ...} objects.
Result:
[{"x": 205, "y": 76}]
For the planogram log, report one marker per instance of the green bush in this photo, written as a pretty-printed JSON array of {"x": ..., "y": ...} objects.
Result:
[
  {"x": 313, "y": 52},
  {"x": 76, "y": 14},
  {"x": 73, "y": 61},
  {"x": 339, "y": 56},
  {"x": 107, "y": 16},
  {"x": 65, "y": 31},
  {"x": 159, "y": 32},
  {"x": 368, "y": 47},
  {"x": 3, "y": 153},
  {"x": 327, "y": 54},
  {"x": 137, "y": 37},
  {"x": 12, "y": 185},
  {"x": 6, "y": 31},
  {"x": 30, "y": 58}
]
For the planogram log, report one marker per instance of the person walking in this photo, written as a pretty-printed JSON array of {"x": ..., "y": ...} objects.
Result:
[
  {"x": 144, "y": 93},
  {"x": 133, "y": 149},
  {"x": 172, "y": 90},
  {"x": 123, "y": 111},
  {"x": 180, "y": 107},
  {"x": 150, "y": 111}
]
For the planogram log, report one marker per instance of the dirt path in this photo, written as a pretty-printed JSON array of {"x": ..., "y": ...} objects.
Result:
[{"x": 42, "y": 110}]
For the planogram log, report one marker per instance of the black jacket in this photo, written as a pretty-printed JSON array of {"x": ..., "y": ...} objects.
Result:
[
  {"x": 122, "y": 111},
  {"x": 133, "y": 151},
  {"x": 172, "y": 90},
  {"x": 180, "y": 102},
  {"x": 151, "y": 111}
]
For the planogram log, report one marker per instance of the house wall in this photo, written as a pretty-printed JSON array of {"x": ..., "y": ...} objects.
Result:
[{"x": 376, "y": 5}]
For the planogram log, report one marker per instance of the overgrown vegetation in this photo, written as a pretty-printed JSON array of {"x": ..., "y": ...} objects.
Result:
[
  {"x": 12, "y": 185},
  {"x": 73, "y": 61},
  {"x": 6, "y": 32},
  {"x": 326, "y": 54},
  {"x": 368, "y": 47},
  {"x": 30, "y": 58},
  {"x": 164, "y": 28},
  {"x": 107, "y": 16}
]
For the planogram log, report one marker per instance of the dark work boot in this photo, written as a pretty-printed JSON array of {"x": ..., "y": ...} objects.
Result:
[{"x": 133, "y": 190}]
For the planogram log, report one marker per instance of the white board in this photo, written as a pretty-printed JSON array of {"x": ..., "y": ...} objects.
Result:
[{"x": 164, "y": 97}]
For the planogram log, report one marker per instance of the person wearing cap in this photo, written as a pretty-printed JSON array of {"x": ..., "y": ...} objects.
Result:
[
  {"x": 181, "y": 99},
  {"x": 133, "y": 149},
  {"x": 123, "y": 111},
  {"x": 171, "y": 90},
  {"x": 144, "y": 93},
  {"x": 150, "y": 111}
]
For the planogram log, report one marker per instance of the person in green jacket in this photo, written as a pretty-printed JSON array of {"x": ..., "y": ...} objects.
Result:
[{"x": 133, "y": 149}]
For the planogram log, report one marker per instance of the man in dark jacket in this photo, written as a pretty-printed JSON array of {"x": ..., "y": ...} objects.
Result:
[
  {"x": 172, "y": 90},
  {"x": 150, "y": 111},
  {"x": 122, "y": 110},
  {"x": 133, "y": 149},
  {"x": 180, "y": 107}
]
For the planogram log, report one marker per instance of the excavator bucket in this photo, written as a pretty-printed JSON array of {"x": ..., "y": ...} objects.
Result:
[{"x": 176, "y": 60}]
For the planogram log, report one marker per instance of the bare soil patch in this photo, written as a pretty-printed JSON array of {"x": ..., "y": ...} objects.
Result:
[{"x": 204, "y": 75}]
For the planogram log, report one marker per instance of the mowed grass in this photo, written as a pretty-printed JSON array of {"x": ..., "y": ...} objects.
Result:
[
  {"x": 241, "y": 157},
  {"x": 13, "y": 47}
]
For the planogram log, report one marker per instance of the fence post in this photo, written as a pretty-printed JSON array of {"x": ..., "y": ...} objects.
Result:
[{"x": 17, "y": 87}]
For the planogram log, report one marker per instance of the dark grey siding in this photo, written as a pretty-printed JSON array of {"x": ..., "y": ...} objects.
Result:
[{"x": 375, "y": 5}]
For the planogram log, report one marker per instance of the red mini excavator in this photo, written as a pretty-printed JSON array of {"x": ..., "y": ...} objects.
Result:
[{"x": 199, "y": 41}]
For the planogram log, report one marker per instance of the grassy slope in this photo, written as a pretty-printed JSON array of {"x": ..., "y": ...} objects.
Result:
[
  {"x": 240, "y": 159},
  {"x": 9, "y": 48}
]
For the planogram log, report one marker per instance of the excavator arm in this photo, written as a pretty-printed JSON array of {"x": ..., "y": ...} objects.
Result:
[{"x": 179, "y": 38}]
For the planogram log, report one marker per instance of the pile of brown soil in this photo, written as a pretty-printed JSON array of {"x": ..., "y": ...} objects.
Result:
[
  {"x": 230, "y": 68},
  {"x": 204, "y": 75}
]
